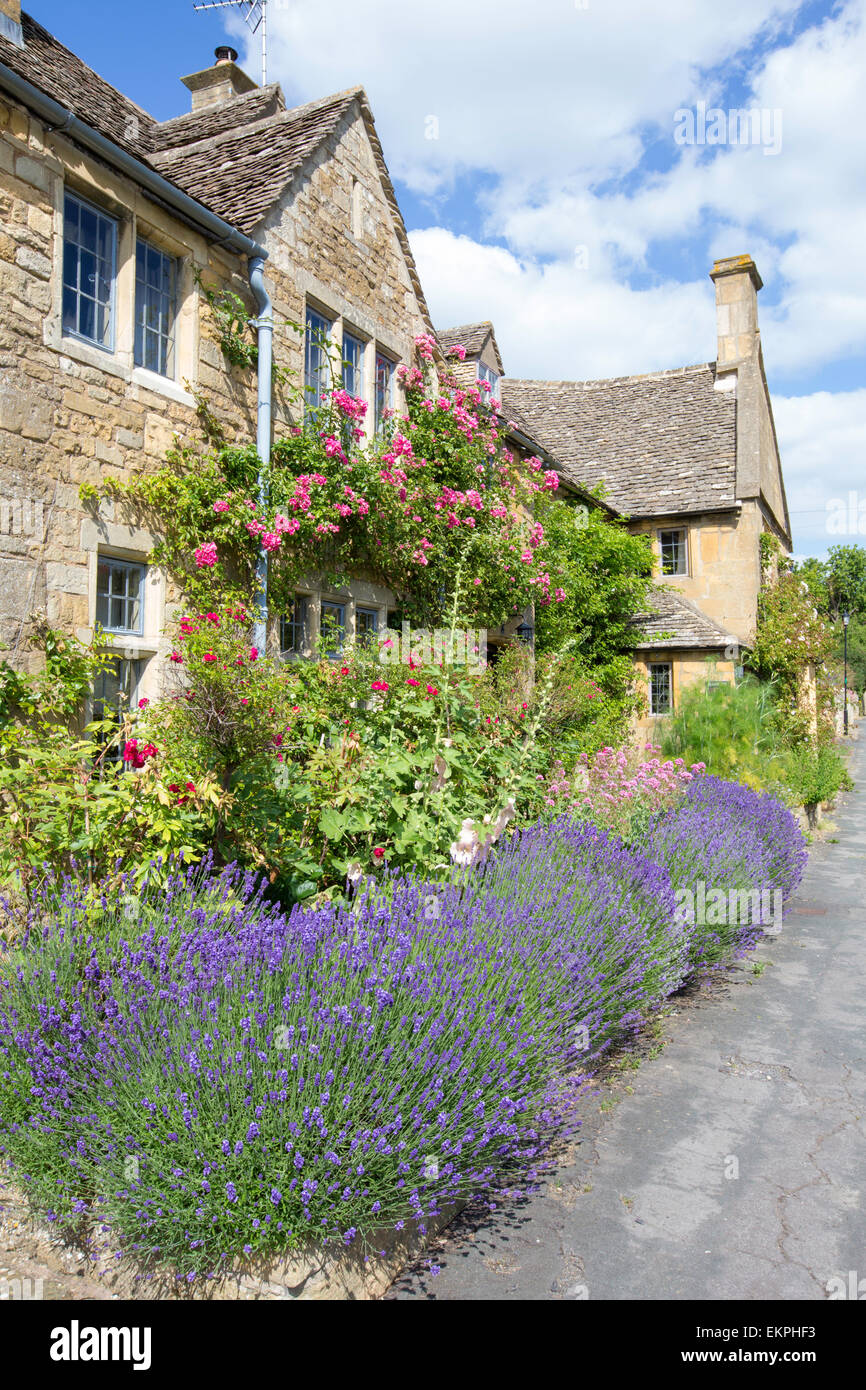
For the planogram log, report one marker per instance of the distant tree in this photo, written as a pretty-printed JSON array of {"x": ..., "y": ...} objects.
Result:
[{"x": 846, "y": 579}]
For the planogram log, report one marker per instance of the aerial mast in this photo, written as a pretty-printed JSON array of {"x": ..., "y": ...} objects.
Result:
[{"x": 255, "y": 13}]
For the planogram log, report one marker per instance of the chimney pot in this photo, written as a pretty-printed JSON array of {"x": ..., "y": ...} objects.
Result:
[{"x": 224, "y": 54}]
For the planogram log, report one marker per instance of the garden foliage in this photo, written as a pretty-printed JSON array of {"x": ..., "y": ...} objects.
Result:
[{"x": 192, "y": 1074}]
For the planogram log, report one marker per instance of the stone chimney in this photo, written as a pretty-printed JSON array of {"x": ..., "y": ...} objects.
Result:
[
  {"x": 737, "y": 283},
  {"x": 216, "y": 84},
  {"x": 10, "y": 22}
]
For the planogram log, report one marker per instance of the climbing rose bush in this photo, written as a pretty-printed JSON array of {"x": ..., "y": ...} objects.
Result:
[{"x": 440, "y": 491}]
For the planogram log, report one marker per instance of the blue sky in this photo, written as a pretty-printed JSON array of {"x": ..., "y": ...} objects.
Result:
[{"x": 535, "y": 159}]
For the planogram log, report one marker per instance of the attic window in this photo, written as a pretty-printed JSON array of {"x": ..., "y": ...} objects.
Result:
[{"x": 492, "y": 378}]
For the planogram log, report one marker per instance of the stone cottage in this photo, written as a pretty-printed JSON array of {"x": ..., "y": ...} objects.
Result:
[
  {"x": 690, "y": 458},
  {"x": 109, "y": 221}
]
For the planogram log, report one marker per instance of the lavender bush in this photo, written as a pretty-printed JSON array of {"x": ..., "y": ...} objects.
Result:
[
  {"x": 235, "y": 1079},
  {"x": 731, "y": 840},
  {"x": 615, "y": 910},
  {"x": 210, "y": 1075}
]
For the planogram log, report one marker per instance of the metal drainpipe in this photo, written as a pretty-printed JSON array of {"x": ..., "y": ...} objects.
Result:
[{"x": 265, "y": 326}]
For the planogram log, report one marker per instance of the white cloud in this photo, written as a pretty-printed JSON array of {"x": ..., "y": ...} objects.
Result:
[
  {"x": 559, "y": 320},
  {"x": 517, "y": 89},
  {"x": 557, "y": 105},
  {"x": 822, "y": 441}
]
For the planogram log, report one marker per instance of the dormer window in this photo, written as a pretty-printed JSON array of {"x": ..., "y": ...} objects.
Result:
[{"x": 487, "y": 374}]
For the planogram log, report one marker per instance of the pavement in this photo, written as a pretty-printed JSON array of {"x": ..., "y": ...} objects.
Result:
[{"x": 728, "y": 1162}]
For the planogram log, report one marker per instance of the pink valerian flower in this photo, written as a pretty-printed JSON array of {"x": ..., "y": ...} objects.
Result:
[
  {"x": 220, "y": 506},
  {"x": 177, "y": 658},
  {"x": 254, "y": 653},
  {"x": 209, "y": 656},
  {"x": 206, "y": 555}
]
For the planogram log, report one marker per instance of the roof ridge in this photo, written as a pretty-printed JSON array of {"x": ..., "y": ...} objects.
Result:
[
  {"x": 247, "y": 98},
  {"x": 612, "y": 380},
  {"x": 286, "y": 117}
]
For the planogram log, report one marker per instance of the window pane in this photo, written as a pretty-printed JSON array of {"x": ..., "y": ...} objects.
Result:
[
  {"x": 660, "y": 689},
  {"x": 70, "y": 308},
  {"x": 316, "y": 363},
  {"x": 88, "y": 228},
  {"x": 333, "y": 627},
  {"x": 155, "y": 309},
  {"x": 70, "y": 219},
  {"x": 88, "y": 271},
  {"x": 87, "y": 318}
]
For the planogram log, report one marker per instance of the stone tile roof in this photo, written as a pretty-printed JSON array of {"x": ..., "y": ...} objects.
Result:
[
  {"x": 46, "y": 64},
  {"x": 214, "y": 120},
  {"x": 236, "y": 158},
  {"x": 241, "y": 173},
  {"x": 661, "y": 443},
  {"x": 472, "y": 336},
  {"x": 671, "y": 620}
]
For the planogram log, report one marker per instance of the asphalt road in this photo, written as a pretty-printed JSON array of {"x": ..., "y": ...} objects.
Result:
[{"x": 730, "y": 1164}]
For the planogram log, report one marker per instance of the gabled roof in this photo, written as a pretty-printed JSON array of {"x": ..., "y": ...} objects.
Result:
[
  {"x": 213, "y": 120},
  {"x": 472, "y": 336},
  {"x": 672, "y": 621},
  {"x": 241, "y": 172},
  {"x": 661, "y": 443},
  {"x": 236, "y": 158}
]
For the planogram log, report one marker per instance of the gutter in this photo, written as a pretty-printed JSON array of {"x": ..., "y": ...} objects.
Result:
[
  {"x": 265, "y": 326},
  {"x": 63, "y": 121}
]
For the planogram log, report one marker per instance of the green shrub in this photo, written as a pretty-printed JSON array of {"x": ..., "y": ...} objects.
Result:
[
  {"x": 730, "y": 728},
  {"x": 816, "y": 774}
]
